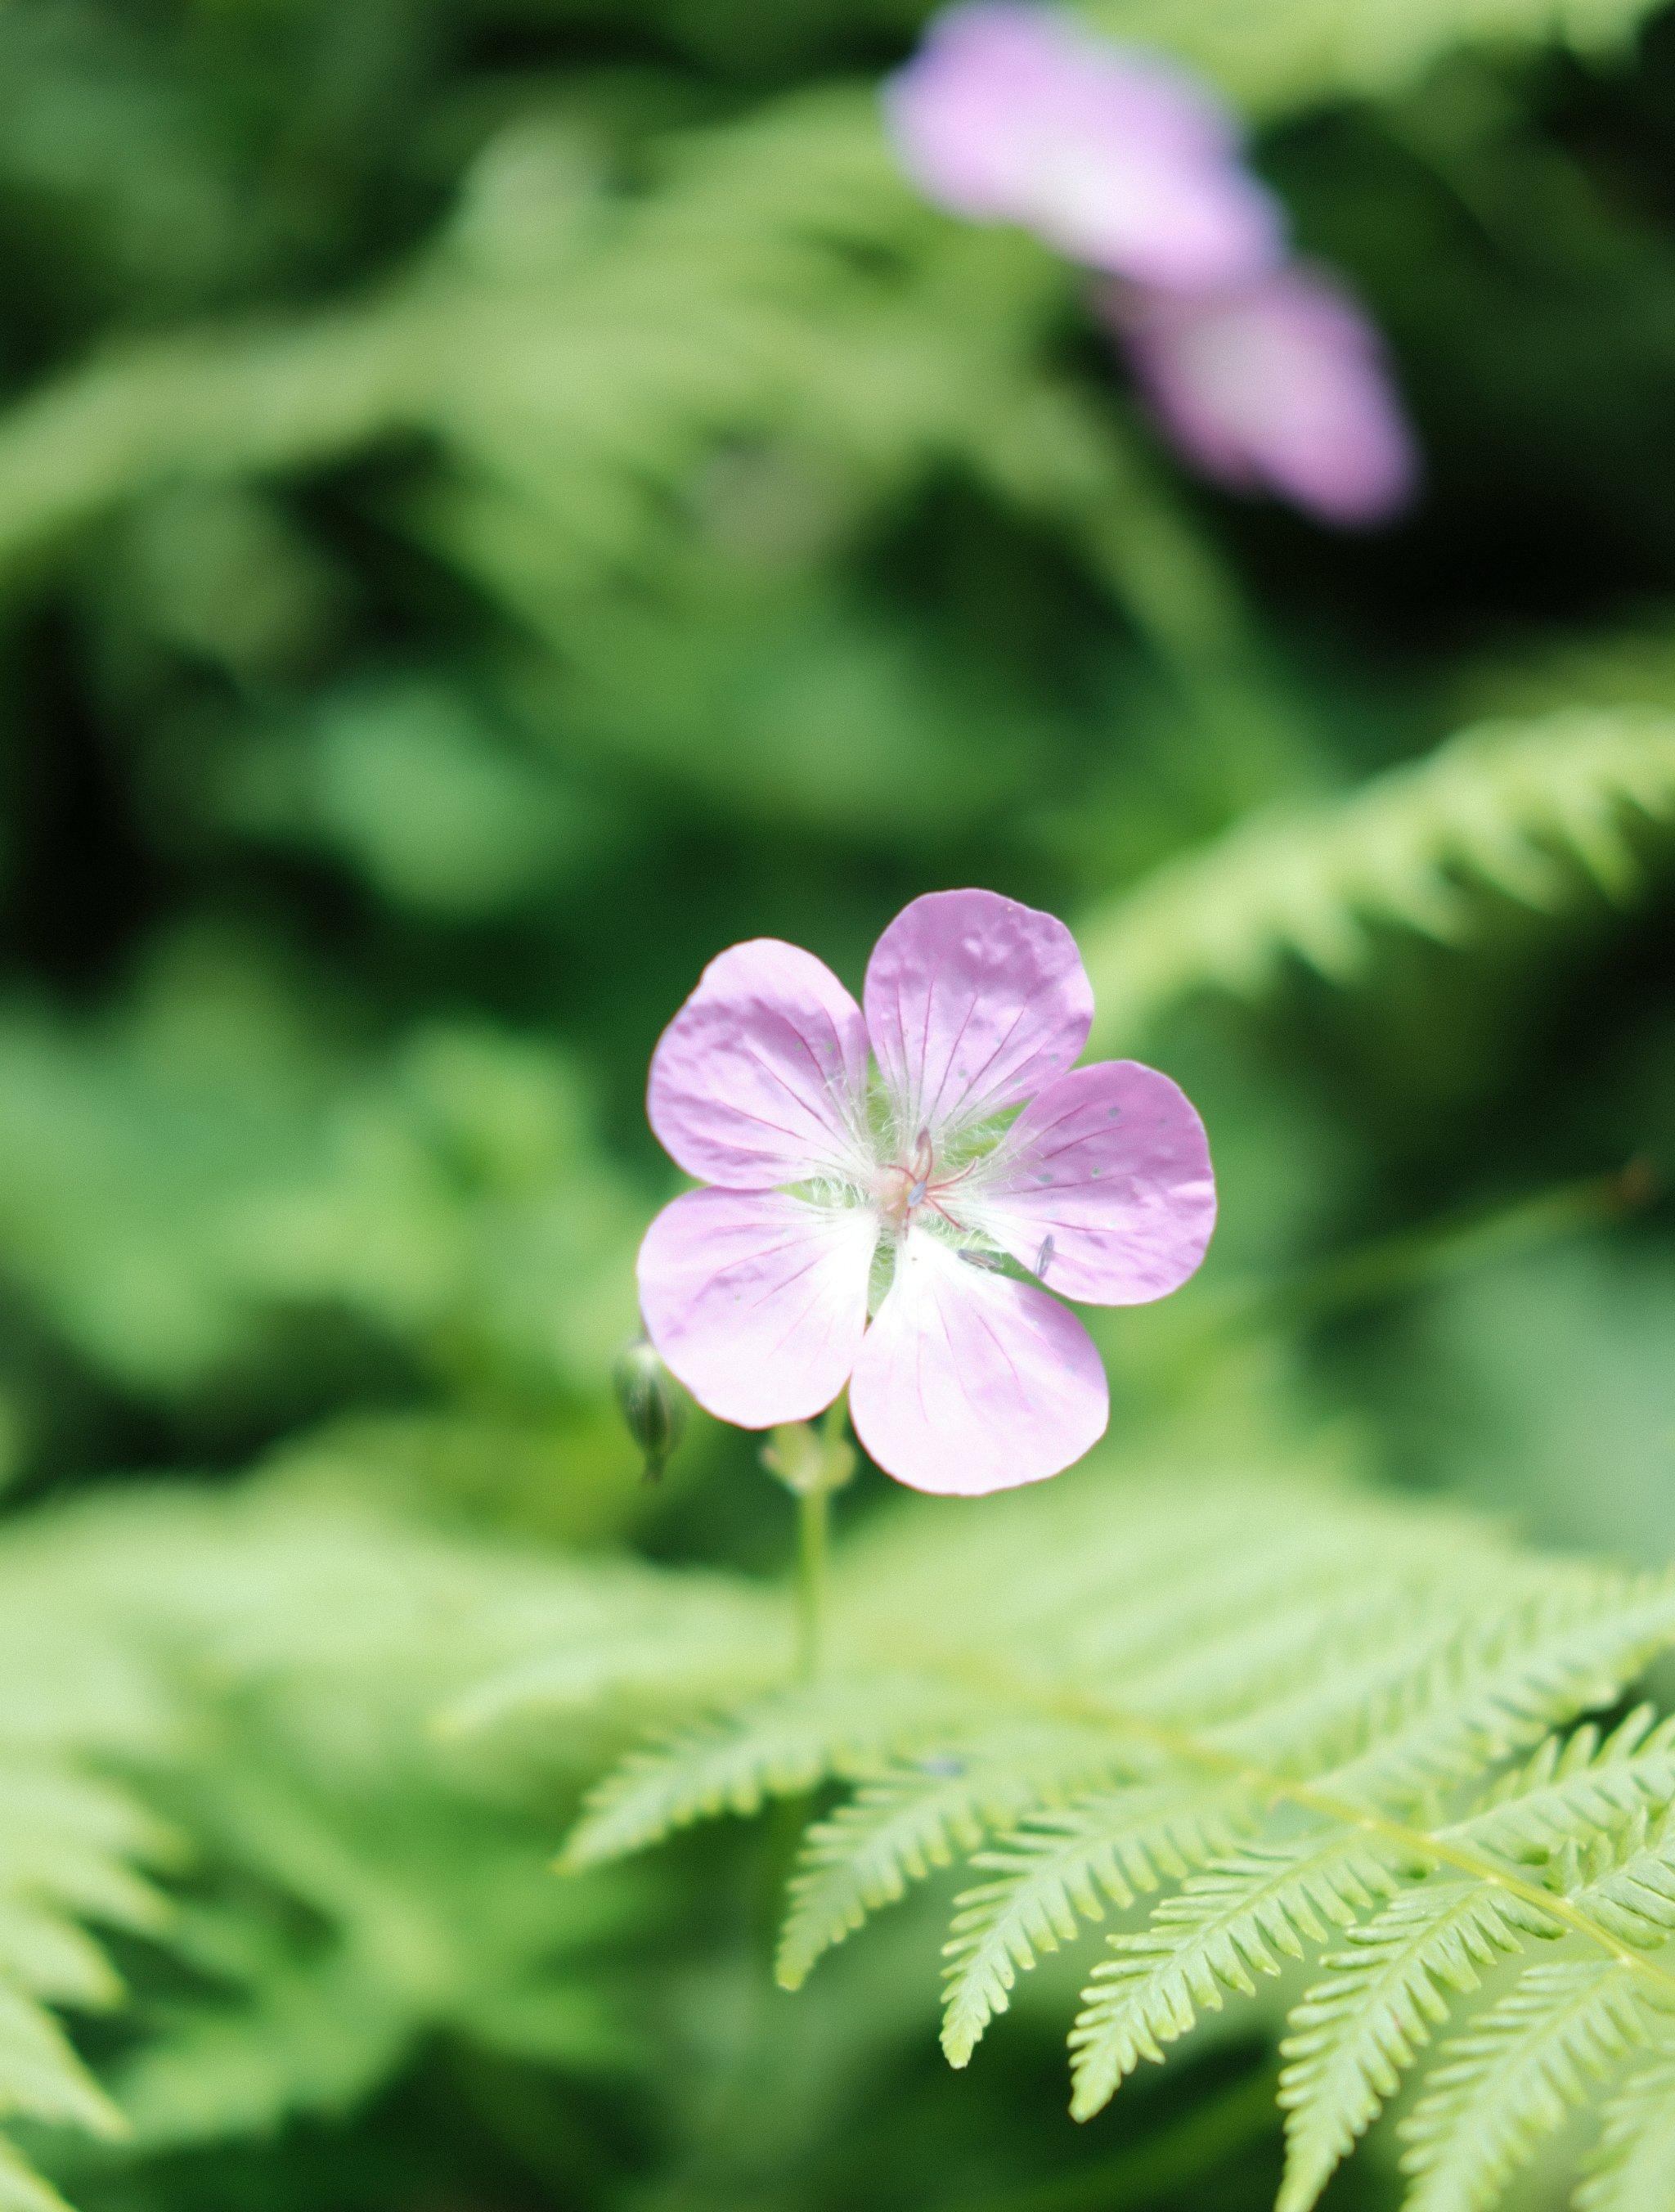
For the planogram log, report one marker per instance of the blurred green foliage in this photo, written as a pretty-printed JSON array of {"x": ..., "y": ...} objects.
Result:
[{"x": 498, "y": 499}]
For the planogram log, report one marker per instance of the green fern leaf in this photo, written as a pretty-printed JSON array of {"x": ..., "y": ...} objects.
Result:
[
  {"x": 1357, "y": 2031},
  {"x": 1635, "y": 2158},
  {"x": 1626, "y": 1879},
  {"x": 71, "y": 1850},
  {"x": 780, "y": 1746},
  {"x": 1060, "y": 1871},
  {"x": 40, "y": 2076},
  {"x": 1574, "y": 1784},
  {"x": 900, "y": 1827},
  {"x": 1335, "y": 1721},
  {"x": 1244, "y": 1643},
  {"x": 1503, "y": 1684},
  {"x": 22, "y": 2189},
  {"x": 1534, "y": 814},
  {"x": 1205, "y": 1942},
  {"x": 1517, "y": 2077}
]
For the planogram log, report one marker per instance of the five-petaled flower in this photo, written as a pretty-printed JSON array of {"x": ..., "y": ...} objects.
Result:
[{"x": 893, "y": 1229}]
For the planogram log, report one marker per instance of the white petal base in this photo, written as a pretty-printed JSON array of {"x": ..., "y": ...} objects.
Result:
[{"x": 969, "y": 1381}]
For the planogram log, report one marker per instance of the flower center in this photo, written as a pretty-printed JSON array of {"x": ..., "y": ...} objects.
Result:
[{"x": 908, "y": 1185}]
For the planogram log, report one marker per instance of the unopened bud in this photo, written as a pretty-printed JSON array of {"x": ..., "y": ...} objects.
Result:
[
  {"x": 653, "y": 1405},
  {"x": 807, "y": 1462}
]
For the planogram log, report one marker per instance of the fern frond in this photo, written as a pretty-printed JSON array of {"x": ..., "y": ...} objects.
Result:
[
  {"x": 1503, "y": 1683},
  {"x": 1325, "y": 1728},
  {"x": 1365, "y": 2024},
  {"x": 1229, "y": 1635},
  {"x": 1635, "y": 2157},
  {"x": 1357, "y": 2032},
  {"x": 779, "y": 1746},
  {"x": 1625, "y": 1879},
  {"x": 1059, "y": 1871},
  {"x": 1539, "y": 815},
  {"x": 1241, "y": 1918},
  {"x": 1576, "y": 1783},
  {"x": 1324, "y": 50},
  {"x": 911, "y": 1820},
  {"x": 73, "y": 1851},
  {"x": 22, "y": 2189},
  {"x": 1511, "y": 2081}
]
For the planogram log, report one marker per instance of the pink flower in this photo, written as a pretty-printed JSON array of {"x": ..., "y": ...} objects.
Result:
[
  {"x": 892, "y": 1230},
  {"x": 1015, "y": 115},
  {"x": 1280, "y": 385}
]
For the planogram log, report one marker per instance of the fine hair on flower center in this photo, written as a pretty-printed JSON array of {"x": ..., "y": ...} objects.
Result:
[{"x": 921, "y": 1187}]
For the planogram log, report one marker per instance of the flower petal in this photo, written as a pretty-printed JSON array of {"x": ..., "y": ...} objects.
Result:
[
  {"x": 972, "y": 1003},
  {"x": 760, "y": 1078},
  {"x": 966, "y": 112},
  {"x": 1282, "y": 385},
  {"x": 756, "y": 1300},
  {"x": 1104, "y": 1186},
  {"x": 970, "y": 1382},
  {"x": 1178, "y": 224},
  {"x": 1118, "y": 159}
]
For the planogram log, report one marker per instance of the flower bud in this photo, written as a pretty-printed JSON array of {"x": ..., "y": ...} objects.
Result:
[
  {"x": 809, "y": 1463},
  {"x": 653, "y": 1404}
]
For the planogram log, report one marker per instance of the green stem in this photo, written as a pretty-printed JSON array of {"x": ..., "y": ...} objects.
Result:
[
  {"x": 814, "y": 1512},
  {"x": 814, "y": 1530}
]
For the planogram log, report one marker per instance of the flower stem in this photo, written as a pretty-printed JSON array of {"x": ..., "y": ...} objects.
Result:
[
  {"x": 814, "y": 1517},
  {"x": 812, "y": 1463}
]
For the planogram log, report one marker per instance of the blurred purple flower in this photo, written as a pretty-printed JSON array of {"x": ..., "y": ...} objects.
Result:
[
  {"x": 1013, "y": 113},
  {"x": 1279, "y": 384}
]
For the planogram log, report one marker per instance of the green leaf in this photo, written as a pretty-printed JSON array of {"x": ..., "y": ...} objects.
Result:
[
  {"x": 1637, "y": 2154},
  {"x": 1360, "y": 2028},
  {"x": 1241, "y": 1918},
  {"x": 916, "y": 1819},
  {"x": 1301, "y": 52},
  {"x": 1065, "y": 1869},
  {"x": 779, "y": 1746},
  {"x": 1506, "y": 2085},
  {"x": 1543, "y": 815}
]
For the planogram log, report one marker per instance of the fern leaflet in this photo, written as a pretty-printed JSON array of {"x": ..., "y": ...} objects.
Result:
[
  {"x": 71, "y": 1849},
  {"x": 1637, "y": 2154},
  {"x": 1516, "y": 2077},
  {"x": 1360, "y": 2029},
  {"x": 1535, "y": 814},
  {"x": 1059, "y": 1872},
  {"x": 779, "y": 1746},
  {"x": 900, "y": 1827},
  {"x": 1239, "y": 1919}
]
